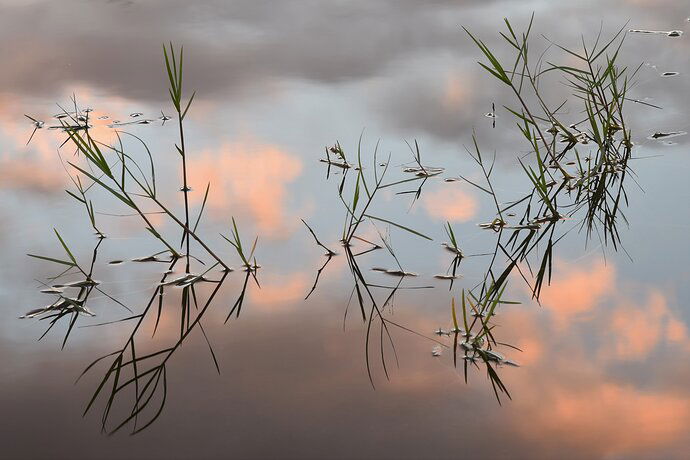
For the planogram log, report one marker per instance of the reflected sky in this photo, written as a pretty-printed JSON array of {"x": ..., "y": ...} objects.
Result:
[{"x": 602, "y": 369}]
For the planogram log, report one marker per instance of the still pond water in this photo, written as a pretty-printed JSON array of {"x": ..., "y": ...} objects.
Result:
[{"x": 603, "y": 357}]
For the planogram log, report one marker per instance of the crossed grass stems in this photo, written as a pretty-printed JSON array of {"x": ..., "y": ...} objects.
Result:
[
  {"x": 134, "y": 386},
  {"x": 575, "y": 169}
]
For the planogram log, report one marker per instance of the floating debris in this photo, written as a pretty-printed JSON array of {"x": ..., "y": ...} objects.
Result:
[
  {"x": 467, "y": 335},
  {"x": 535, "y": 224},
  {"x": 452, "y": 249},
  {"x": 250, "y": 268},
  {"x": 492, "y": 355},
  {"x": 615, "y": 128},
  {"x": 185, "y": 280},
  {"x": 151, "y": 258},
  {"x": 72, "y": 128},
  {"x": 393, "y": 272},
  {"x": 447, "y": 277},
  {"x": 78, "y": 284},
  {"x": 424, "y": 171},
  {"x": 492, "y": 115},
  {"x": 38, "y": 124},
  {"x": 496, "y": 225},
  {"x": 528, "y": 226},
  {"x": 337, "y": 164},
  {"x": 467, "y": 346},
  {"x": 146, "y": 121},
  {"x": 666, "y": 135},
  {"x": 63, "y": 305},
  {"x": 670, "y": 74},
  {"x": 669, "y": 33},
  {"x": 437, "y": 351}
]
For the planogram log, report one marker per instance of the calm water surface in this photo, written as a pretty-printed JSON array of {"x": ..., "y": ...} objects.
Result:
[{"x": 604, "y": 364}]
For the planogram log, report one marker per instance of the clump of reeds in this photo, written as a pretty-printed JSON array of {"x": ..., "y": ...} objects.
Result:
[
  {"x": 574, "y": 168},
  {"x": 115, "y": 170}
]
